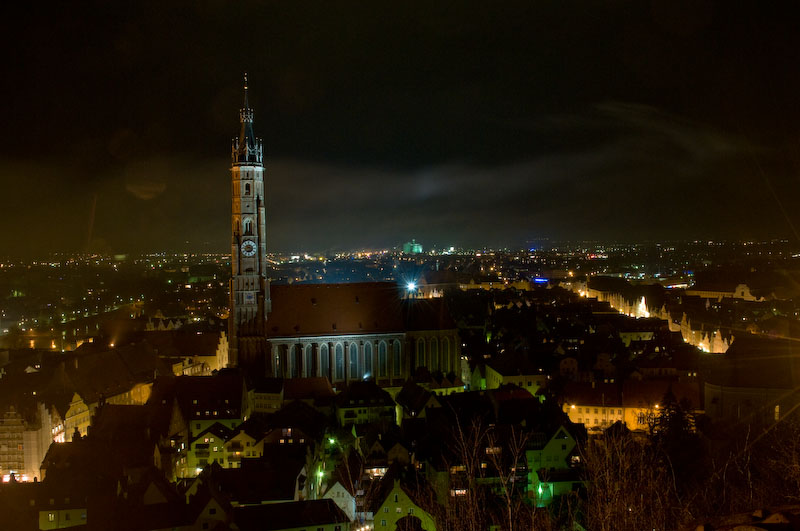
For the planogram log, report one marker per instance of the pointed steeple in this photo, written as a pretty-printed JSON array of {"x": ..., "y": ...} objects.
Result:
[
  {"x": 246, "y": 105},
  {"x": 247, "y": 149}
]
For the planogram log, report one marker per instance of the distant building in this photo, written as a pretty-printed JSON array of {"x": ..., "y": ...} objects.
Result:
[
  {"x": 520, "y": 372},
  {"x": 412, "y": 247},
  {"x": 364, "y": 402},
  {"x": 635, "y": 403},
  {"x": 721, "y": 291},
  {"x": 756, "y": 382}
]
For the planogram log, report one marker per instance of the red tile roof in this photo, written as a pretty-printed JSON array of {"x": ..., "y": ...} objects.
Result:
[
  {"x": 334, "y": 309},
  {"x": 301, "y": 310}
]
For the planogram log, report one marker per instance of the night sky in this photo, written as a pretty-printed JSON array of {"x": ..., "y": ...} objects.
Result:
[{"x": 455, "y": 123}]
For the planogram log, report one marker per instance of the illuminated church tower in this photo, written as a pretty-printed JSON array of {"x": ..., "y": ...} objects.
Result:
[{"x": 249, "y": 288}]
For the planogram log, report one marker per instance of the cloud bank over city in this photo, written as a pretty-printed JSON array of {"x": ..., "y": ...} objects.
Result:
[{"x": 448, "y": 127}]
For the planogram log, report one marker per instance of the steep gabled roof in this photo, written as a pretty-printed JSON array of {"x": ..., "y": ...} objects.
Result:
[
  {"x": 316, "y": 388},
  {"x": 413, "y": 397},
  {"x": 218, "y": 430},
  {"x": 363, "y": 394},
  {"x": 290, "y": 515}
]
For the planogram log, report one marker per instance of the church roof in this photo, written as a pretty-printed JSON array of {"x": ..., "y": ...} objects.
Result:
[
  {"x": 335, "y": 309},
  {"x": 300, "y": 310}
]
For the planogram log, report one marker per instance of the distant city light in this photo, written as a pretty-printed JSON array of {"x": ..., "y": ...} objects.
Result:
[{"x": 411, "y": 286}]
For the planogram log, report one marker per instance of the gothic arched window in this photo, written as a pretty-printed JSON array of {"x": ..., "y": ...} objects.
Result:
[
  {"x": 246, "y": 188},
  {"x": 339, "y": 361},
  {"x": 324, "y": 360},
  {"x": 446, "y": 355},
  {"x": 434, "y": 354},
  {"x": 420, "y": 352},
  {"x": 368, "y": 359},
  {"x": 308, "y": 361},
  {"x": 396, "y": 361},
  {"x": 353, "y": 360},
  {"x": 294, "y": 360},
  {"x": 382, "y": 359},
  {"x": 248, "y": 226}
]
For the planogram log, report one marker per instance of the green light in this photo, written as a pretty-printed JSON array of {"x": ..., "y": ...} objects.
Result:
[{"x": 331, "y": 440}]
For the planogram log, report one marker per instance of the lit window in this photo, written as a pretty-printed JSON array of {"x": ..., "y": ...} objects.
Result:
[{"x": 51, "y": 517}]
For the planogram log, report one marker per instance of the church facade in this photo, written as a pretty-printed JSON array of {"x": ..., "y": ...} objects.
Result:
[{"x": 345, "y": 332}]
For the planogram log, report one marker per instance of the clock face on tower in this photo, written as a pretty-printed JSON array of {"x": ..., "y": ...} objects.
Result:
[{"x": 248, "y": 248}]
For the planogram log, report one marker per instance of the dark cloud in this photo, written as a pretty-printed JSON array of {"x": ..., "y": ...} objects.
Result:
[{"x": 473, "y": 125}]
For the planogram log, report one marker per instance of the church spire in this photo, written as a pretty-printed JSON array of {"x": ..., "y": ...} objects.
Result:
[
  {"x": 246, "y": 105},
  {"x": 247, "y": 149}
]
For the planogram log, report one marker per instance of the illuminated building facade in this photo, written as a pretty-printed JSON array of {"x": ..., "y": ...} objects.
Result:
[{"x": 249, "y": 287}]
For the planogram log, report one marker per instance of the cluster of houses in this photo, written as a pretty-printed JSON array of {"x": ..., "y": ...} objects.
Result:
[{"x": 230, "y": 452}]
